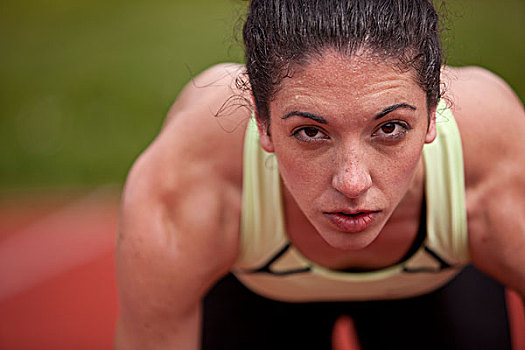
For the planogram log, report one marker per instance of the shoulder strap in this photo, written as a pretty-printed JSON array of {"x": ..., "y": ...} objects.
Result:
[
  {"x": 445, "y": 190},
  {"x": 262, "y": 223}
]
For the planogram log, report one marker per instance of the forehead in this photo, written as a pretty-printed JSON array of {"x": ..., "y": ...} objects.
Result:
[{"x": 359, "y": 81}]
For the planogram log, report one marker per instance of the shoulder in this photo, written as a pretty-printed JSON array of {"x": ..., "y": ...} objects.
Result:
[
  {"x": 181, "y": 201},
  {"x": 199, "y": 148},
  {"x": 205, "y": 126},
  {"x": 491, "y": 119}
]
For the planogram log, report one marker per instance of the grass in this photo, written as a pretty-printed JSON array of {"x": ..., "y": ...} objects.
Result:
[
  {"x": 489, "y": 34},
  {"x": 85, "y": 85}
]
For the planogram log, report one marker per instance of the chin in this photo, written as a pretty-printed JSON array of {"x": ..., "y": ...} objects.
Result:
[{"x": 349, "y": 241}]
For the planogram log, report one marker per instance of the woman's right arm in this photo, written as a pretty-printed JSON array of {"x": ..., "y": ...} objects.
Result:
[{"x": 178, "y": 230}]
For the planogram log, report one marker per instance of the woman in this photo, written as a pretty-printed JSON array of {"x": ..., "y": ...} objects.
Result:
[{"x": 356, "y": 187}]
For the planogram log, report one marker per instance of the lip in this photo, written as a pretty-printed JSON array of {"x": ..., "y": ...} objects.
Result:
[{"x": 352, "y": 221}]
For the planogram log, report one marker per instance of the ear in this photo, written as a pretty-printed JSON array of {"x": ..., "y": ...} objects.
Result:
[
  {"x": 431, "y": 130},
  {"x": 264, "y": 132},
  {"x": 266, "y": 138}
]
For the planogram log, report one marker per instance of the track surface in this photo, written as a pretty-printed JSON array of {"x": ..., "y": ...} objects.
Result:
[{"x": 58, "y": 288}]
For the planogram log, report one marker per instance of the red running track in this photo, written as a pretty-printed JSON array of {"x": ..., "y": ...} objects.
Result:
[{"x": 58, "y": 288}]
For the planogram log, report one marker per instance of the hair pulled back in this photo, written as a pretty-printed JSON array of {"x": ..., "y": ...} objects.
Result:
[{"x": 279, "y": 34}]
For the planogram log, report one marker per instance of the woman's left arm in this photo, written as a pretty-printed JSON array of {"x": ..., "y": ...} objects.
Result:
[
  {"x": 497, "y": 228},
  {"x": 492, "y": 125}
]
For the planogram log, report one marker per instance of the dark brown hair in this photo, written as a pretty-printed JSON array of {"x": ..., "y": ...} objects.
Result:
[{"x": 279, "y": 34}]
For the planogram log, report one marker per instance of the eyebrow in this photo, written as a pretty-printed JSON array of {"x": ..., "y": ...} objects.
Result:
[
  {"x": 393, "y": 108},
  {"x": 306, "y": 115},
  {"x": 321, "y": 120}
]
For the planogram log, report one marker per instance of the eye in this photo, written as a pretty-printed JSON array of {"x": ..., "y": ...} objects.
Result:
[
  {"x": 388, "y": 128},
  {"x": 309, "y": 134},
  {"x": 392, "y": 130}
]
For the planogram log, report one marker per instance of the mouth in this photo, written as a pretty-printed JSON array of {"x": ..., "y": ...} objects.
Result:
[{"x": 352, "y": 221}]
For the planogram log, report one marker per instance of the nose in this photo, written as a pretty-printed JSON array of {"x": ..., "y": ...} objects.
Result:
[{"x": 352, "y": 179}]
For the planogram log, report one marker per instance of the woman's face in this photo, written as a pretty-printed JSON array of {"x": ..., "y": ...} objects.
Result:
[{"x": 348, "y": 133}]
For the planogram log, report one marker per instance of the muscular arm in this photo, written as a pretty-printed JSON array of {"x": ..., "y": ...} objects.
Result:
[
  {"x": 178, "y": 230},
  {"x": 169, "y": 254},
  {"x": 492, "y": 124},
  {"x": 497, "y": 241}
]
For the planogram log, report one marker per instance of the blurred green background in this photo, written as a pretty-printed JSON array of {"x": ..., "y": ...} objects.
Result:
[{"x": 85, "y": 85}]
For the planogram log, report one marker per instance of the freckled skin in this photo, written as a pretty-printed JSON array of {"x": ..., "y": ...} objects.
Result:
[{"x": 354, "y": 165}]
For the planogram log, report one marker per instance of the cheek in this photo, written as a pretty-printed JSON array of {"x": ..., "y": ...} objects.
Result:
[
  {"x": 305, "y": 174},
  {"x": 404, "y": 163},
  {"x": 397, "y": 171},
  {"x": 301, "y": 171},
  {"x": 296, "y": 169}
]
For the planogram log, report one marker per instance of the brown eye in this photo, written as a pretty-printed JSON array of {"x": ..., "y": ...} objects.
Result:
[
  {"x": 388, "y": 128},
  {"x": 392, "y": 131},
  {"x": 311, "y": 132}
]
